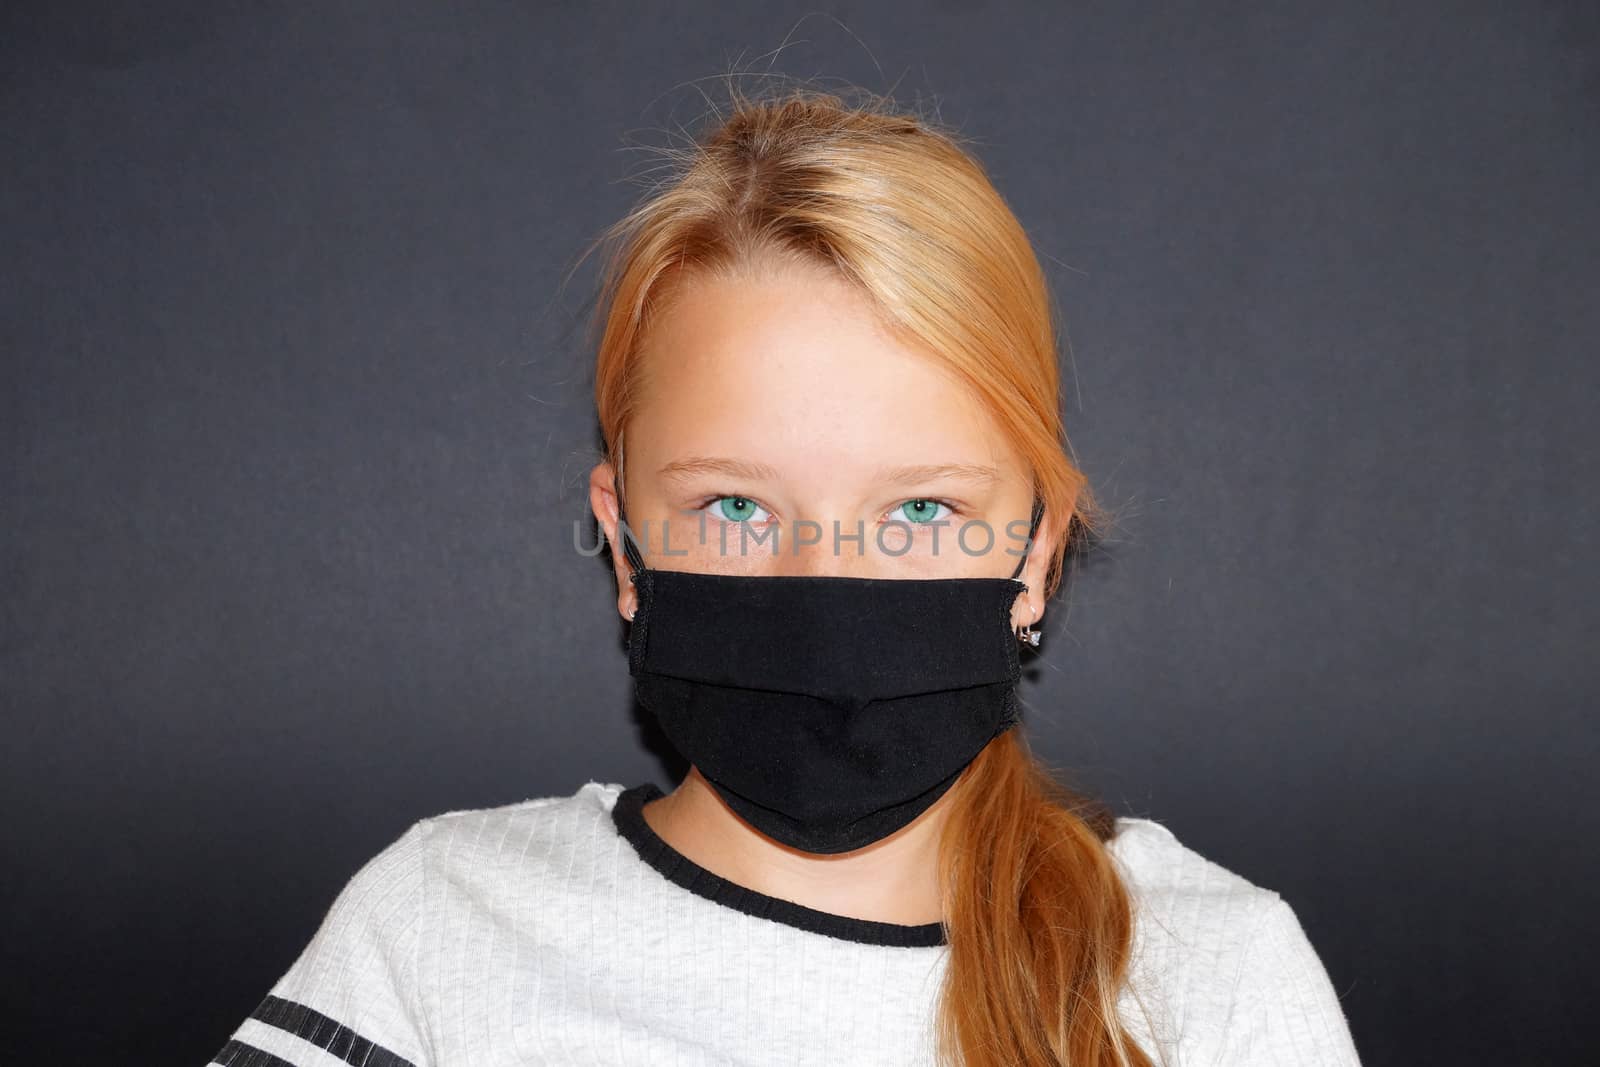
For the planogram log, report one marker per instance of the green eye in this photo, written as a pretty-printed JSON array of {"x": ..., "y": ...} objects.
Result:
[
  {"x": 922, "y": 511},
  {"x": 736, "y": 508}
]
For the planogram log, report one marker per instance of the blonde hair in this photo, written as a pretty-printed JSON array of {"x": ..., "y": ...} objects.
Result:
[{"x": 1038, "y": 922}]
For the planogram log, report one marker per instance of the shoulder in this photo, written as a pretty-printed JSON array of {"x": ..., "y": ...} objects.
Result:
[
  {"x": 1225, "y": 957},
  {"x": 1190, "y": 910},
  {"x": 1163, "y": 872},
  {"x": 366, "y": 984},
  {"x": 402, "y": 882},
  {"x": 469, "y": 831},
  {"x": 521, "y": 846}
]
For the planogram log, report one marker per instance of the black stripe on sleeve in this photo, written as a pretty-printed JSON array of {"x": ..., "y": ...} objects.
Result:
[{"x": 319, "y": 1030}]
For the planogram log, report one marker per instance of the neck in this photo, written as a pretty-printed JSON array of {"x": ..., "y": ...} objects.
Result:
[{"x": 893, "y": 880}]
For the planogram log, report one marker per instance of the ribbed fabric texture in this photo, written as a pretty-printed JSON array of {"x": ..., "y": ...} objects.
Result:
[{"x": 540, "y": 933}]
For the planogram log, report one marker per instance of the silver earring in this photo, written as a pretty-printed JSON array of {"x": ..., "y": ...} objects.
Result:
[{"x": 1026, "y": 634}]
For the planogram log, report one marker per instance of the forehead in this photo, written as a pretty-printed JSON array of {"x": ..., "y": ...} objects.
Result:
[{"x": 795, "y": 368}]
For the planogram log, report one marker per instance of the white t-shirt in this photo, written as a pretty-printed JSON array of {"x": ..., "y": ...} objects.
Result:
[{"x": 564, "y": 930}]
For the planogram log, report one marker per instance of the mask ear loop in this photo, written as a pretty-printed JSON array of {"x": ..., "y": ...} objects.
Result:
[
  {"x": 630, "y": 547},
  {"x": 1026, "y": 634}
]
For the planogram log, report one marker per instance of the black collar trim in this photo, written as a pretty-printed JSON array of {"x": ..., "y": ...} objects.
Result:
[{"x": 627, "y": 814}]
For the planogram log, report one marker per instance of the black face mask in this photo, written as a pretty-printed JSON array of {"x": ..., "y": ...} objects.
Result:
[{"x": 827, "y": 712}]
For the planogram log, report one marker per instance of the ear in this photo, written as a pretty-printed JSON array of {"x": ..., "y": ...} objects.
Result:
[
  {"x": 603, "y": 502},
  {"x": 1029, "y": 608}
]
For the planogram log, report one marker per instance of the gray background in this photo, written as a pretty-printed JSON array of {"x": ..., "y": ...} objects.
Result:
[{"x": 297, "y": 418}]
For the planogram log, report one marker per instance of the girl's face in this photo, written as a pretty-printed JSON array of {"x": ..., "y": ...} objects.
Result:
[{"x": 781, "y": 431}]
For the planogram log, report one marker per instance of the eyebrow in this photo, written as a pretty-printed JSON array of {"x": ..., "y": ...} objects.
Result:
[
  {"x": 927, "y": 472},
  {"x": 977, "y": 474},
  {"x": 684, "y": 469}
]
